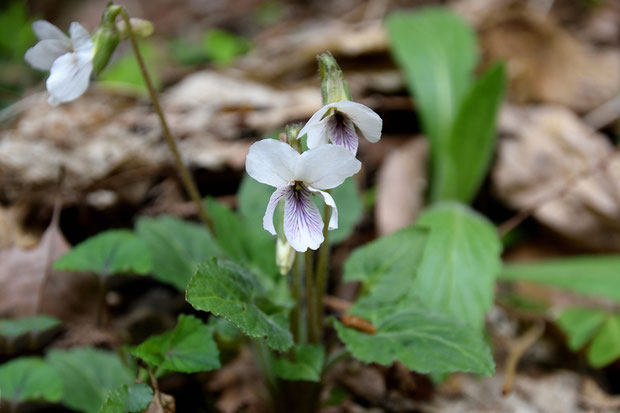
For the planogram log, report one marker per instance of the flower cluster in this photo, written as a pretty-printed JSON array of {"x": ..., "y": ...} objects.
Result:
[{"x": 323, "y": 166}]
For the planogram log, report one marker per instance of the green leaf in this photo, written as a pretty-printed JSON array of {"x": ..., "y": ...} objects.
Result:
[
  {"x": 224, "y": 47},
  {"x": 229, "y": 230},
  {"x": 580, "y": 325},
  {"x": 605, "y": 347},
  {"x": 124, "y": 73},
  {"x": 188, "y": 348},
  {"x": 472, "y": 141},
  {"x": 461, "y": 260},
  {"x": 132, "y": 398},
  {"x": 177, "y": 247},
  {"x": 388, "y": 265},
  {"x": 437, "y": 51},
  {"x": 32, "y": 324},
  {"x": 595, "y": 275},
  {"x": 253, "y": 198},
  {"x": 110, "y": 252},
  {"x": 87, "y": 375},
  {"x": 349, "y": 203},
  {"x": 16, "y": 34},
  {"x": 29, "y": 379},
  {"x": 307, "y": 363},
  {"x": 424, "y": 342},
  {"x": 227, "y": 289}
]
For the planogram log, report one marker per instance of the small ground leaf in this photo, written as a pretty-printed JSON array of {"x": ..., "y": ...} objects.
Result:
[
  {"x": 307, "y": 363},
  {"x": 29, "y": 379}
]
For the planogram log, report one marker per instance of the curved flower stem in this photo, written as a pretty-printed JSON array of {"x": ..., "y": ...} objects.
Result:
[
  {"x": 296, "y": 294},
  {"x": 186, "y": 177},
  {"x": 313, "y": 334},
  {"x": 321, "y": 270}
]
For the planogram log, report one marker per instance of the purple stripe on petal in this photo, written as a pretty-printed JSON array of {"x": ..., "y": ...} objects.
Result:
[
  {"x": 341, "y": 131},
  {"x": 303, "y": 225}
]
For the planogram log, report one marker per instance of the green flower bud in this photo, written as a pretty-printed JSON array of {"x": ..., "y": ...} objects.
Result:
[
  {"x": 140, "y": 27},
  {"x": 105, "y": 39},
  {"x": 333, "y": 85}
]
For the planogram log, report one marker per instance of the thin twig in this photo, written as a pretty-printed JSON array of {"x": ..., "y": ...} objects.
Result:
[
  {"x": 524, "y": 213},
  {"x": 186, "y": 177},
  {"x": 520, "y": 346}
]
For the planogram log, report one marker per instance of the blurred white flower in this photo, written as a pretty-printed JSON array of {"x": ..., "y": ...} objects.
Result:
[
  {"x": 296, "y": 177},
  {"x": 342, "y": 123},
  {"x": 69, "y": 60}
]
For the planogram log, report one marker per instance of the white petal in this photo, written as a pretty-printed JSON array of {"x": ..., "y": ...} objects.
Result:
[
  {"x": 69, "y": 77},
  {"x": 82, "y": 42},
  {"x": 42, "y": 55},
  {"x": 46, "y": 30},
  {"x": 271, "y": 162},
  {"x": 315, "y": 128},
  {"x": 271, "y": 207},
  {"x": 326, "y": 166},
  {"x": 364, "y": 118},
  {"x": 303, "y": 225},
  {"x": 327, "y": 198}
]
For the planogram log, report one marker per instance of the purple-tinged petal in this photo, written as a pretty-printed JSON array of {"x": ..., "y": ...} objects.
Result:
[
  {"x": 46, "y": 30},
  {"x": 42, "y": 55},
  {"x": 327, "y": 198},
  {"x": 271, "y": 162},
  {"x": 364, "y": 118},
  {"x": 341, "y": 131},
  {"x": 326, "y": 166},
  {"x": 316, "y": 128},
  {"x": 303, "y": 225},
  {"x": 271, "y": 207}
]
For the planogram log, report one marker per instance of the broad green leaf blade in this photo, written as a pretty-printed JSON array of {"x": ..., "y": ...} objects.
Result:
[
  {"x": 580, "y": 325},
  {"x": 605, "y": 347},
  {"x": 595, "y": 275},
  {"x": 424, "y": 342},
  {"x": 29, "y": 379},
  {"x": 32, "y": 324},
  {"x": 227, "y": 289},
  {"x": 458, "y": 269},
  {"x": 388, "y": 265},
  {"x": 124, "y": 73},
  {"x": 177, "y": 247},
  {"x": 472, "y": 141},
  {"x": 229, "y": 230},
  {"x": 307, "y": 363},
  {"x": 188, "y": 348},
  {"x": 437, "y": 51},
  {"x": 224, "y": 47},
  {"x": 110, "y": 252},
  {"x": 132, "y": 398},
  {"x": 87, "y": 375},
  {"x": 252, "y": 199}
]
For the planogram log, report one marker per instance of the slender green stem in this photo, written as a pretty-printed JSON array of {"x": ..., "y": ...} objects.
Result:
[
  {"x": 321, "y": 270},
  {"x": 311, "y": 313},
  {"x": 296, "y": 294},
  {"x": 186, "y": 177}
]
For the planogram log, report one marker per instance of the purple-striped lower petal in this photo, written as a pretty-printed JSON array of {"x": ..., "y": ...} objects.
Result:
[
  {"x": 341, "y": 131},
  {"x": 303, "y": 225}
]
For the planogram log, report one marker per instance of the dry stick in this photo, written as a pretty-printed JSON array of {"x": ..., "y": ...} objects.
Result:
[
  {"x": 48, "y": 257},
  {"x": 517, "y": 350},
  {"x": 155, "y": 386},
  {"x": 321, "y": 271},
  {"x": 524, "y": 213},
  {"x": 186, "y": 177}
]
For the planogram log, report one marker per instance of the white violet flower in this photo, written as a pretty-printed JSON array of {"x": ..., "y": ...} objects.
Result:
[
  {"x": 296, "y": 177},
  {"x": 342, "y": 123},
  {"x": 69, "y": 60}
]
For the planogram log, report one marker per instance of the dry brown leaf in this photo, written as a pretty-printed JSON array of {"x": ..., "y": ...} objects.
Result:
[
  {"x": 25, "y": 274},
  {"x": 11, "y": 229},
  {"x": 546, "y": 63},
  {"x": 597, "y": 399},
  {"x": 401, "y": 185},
  {"x": 162, "y": 403},
  {"x": 547, "y": 148}
]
